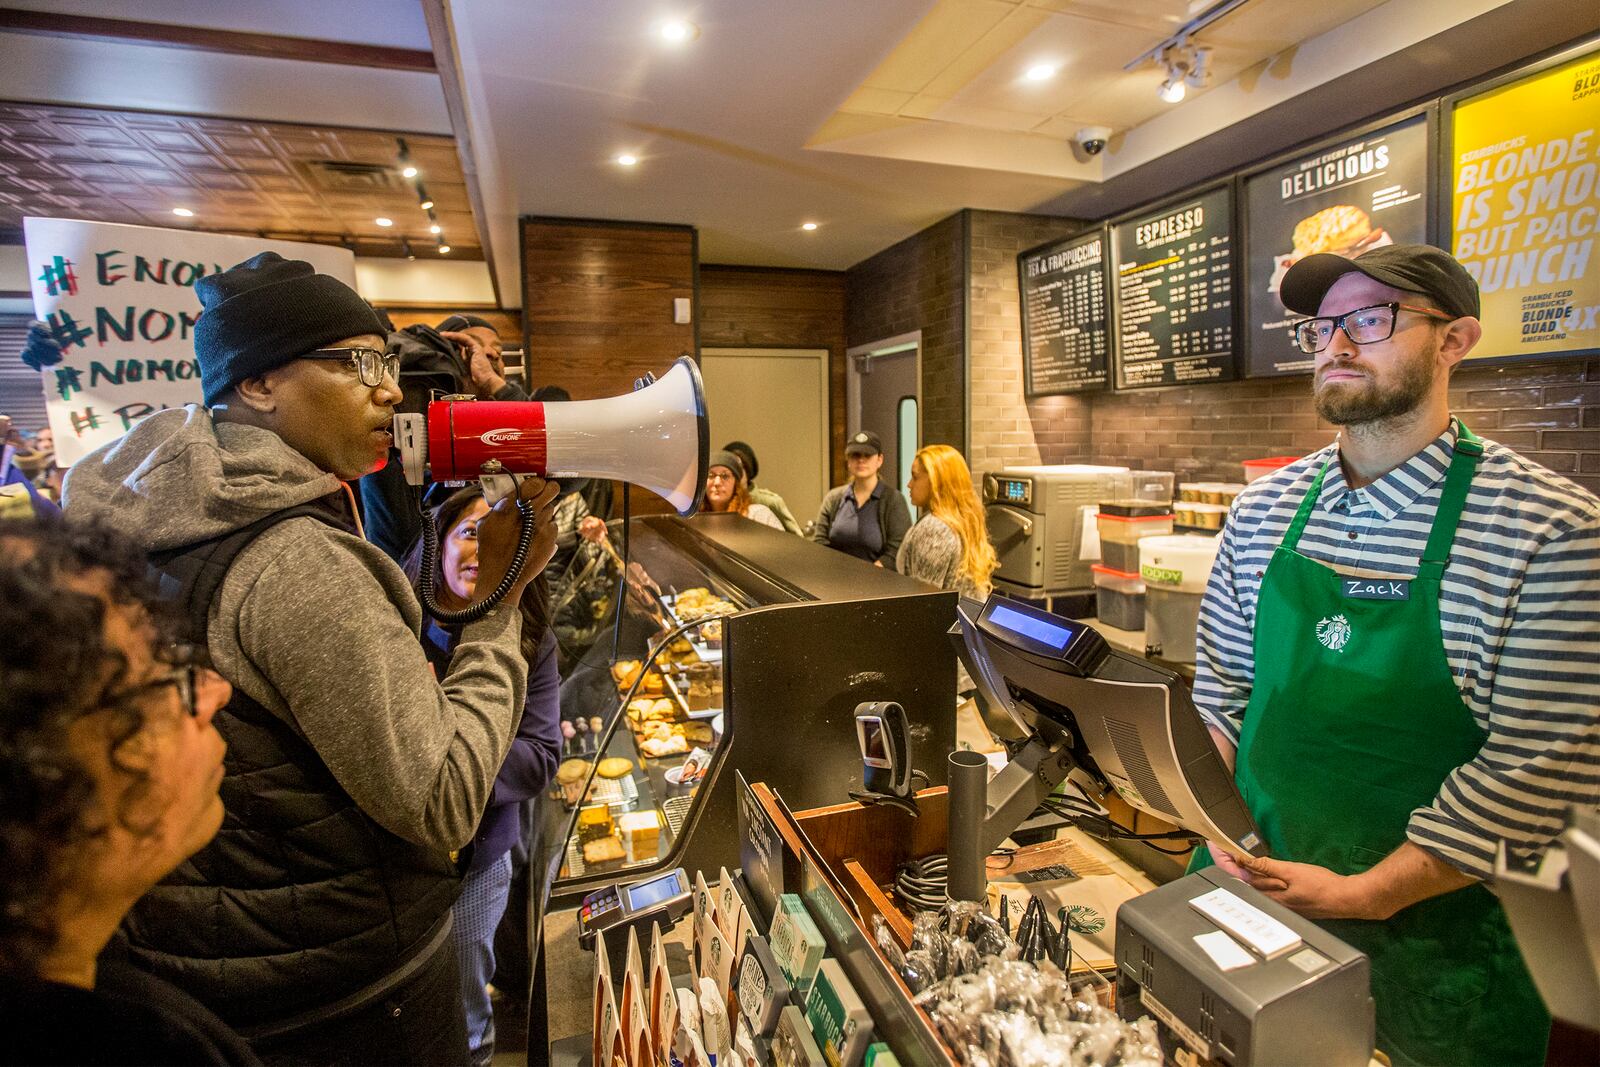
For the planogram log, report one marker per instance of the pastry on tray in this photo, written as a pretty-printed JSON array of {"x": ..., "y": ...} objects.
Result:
[
  {"x": 614, "y": 767},
  {"x": 603, "y": 850}
]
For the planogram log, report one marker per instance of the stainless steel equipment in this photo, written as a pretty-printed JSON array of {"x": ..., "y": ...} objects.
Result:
[{"x": 1035, "y": 518}]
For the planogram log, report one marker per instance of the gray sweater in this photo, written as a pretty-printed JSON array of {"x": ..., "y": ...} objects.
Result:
[{"x": 319, "y": 626}]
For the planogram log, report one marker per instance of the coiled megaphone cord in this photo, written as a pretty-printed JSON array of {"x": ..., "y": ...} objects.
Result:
[{"x": 472, "y": 612}]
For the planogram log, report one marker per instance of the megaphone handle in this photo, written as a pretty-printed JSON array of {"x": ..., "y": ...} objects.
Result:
[{"x": 475, "y": 611}]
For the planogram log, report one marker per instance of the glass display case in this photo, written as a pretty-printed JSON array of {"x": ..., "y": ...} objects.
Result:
[{"x": 737, "y": 646}]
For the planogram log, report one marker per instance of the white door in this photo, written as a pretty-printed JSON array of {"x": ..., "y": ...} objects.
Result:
[{"x": 775, "y": 400}]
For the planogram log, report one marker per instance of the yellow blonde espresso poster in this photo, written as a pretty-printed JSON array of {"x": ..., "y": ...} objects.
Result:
[{"x": 1526, "y": 211}]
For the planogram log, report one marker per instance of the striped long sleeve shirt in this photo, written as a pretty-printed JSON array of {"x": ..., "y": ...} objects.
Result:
[{"x": 1519, "y": 611}]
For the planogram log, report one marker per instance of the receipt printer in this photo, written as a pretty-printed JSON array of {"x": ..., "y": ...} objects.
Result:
[{"x": 1235, "y": 978}]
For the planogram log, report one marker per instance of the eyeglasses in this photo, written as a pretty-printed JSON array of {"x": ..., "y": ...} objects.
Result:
[
  {"x": 370, "y": 363},
  {"x": 1364, "y": 326},
  {"x": 184, "y": 676},
  {"x": 718, "y": 476}
]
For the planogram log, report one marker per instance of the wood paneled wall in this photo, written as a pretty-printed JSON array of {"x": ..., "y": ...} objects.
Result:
[
  {"x": 597, "y": 306},
  {"x": 757, "y": 307}
]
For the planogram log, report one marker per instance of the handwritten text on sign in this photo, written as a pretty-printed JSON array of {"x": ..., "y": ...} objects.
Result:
[{"x": 120, "y": 302}]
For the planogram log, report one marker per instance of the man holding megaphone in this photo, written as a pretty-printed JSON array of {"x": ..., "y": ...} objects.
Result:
[{"x": 317, "y": 922}]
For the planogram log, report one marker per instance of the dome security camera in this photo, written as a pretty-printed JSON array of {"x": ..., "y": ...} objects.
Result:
[{"x": 1093, "y": 138}]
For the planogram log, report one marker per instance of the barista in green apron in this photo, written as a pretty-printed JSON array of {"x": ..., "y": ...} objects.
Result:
[{"x": 1351, "y": 726}]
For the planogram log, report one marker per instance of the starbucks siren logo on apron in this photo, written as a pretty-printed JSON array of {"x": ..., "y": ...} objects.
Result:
[{"x": 1334, "y": 633}]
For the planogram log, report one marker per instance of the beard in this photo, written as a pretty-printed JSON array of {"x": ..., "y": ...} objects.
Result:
[{"x": 1353, "y": 403}]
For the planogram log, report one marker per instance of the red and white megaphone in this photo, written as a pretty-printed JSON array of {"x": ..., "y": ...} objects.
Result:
[{"x": 654, "y": 437}]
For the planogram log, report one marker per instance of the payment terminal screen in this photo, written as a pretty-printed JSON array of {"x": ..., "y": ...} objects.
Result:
[{"x": 652, "y": 892}]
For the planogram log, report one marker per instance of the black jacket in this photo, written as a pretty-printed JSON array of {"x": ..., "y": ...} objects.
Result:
[{"x": 302, "y": 904}]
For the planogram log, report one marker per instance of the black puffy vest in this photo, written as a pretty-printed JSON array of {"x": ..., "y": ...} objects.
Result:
[{"x": 301, "y": 900}]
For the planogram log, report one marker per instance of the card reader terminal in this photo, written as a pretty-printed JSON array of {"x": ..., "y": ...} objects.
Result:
[{"x": 663, "y": 899}]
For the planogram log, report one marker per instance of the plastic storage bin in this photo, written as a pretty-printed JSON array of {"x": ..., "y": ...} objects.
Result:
[
  {"x": 1118, "y": 598},
  {"x": 1174, "y": 570},
  {"x": 1122, "y": 524},
  {"x": 1154, "y": 486}
]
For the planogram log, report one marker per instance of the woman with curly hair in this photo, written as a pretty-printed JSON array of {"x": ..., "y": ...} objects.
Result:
[
  {"x": 109, "y": 768},
  {"x": 949, "y": 546}
]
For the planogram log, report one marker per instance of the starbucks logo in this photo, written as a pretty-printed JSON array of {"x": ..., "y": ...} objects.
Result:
[
  {"x": 1334, "y": 633},
  {"x": 1082, "y": 919}
]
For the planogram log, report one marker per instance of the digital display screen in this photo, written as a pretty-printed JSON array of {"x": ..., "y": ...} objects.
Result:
[
  {"x": 1014, "y": 490},
  {"x": 1046, "y": 633},
  {"x": 652, "y": 892},
  {"x": 872, "y": 746}
]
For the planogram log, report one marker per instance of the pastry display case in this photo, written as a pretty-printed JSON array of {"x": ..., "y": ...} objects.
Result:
[{"x": 737, "y": 646}]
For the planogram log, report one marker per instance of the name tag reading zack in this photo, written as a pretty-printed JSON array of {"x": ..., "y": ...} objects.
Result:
[{"x": 1377, "y": 588}]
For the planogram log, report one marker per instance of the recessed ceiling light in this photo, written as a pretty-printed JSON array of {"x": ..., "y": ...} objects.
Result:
[
  {"x": 444, "y": 250},
  {"x": 808, "y": 225},
  {"x": 427, "y": 204},
  {"x": 183, "y": 213},
  {"x": 625, "y": 160},
  {"x": 435, "y": 228},
  {"x": 381, "y": 221},
  {"x": 408, "y": 171},
  {"x": 1040, "y": 72},
  {"x": 678, "y": 31}
]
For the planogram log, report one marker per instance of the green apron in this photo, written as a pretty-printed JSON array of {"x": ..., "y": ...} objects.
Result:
[{"x": 1354, "y": 722}]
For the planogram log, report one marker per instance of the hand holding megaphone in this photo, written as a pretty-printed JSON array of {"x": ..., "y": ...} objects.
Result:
[{"x": 499, "y": 532}]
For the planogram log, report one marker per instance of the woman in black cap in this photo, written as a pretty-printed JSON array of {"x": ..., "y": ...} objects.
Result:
[
  {"x": 864, "y": 517},
  {"x": 728, "y": 490}
]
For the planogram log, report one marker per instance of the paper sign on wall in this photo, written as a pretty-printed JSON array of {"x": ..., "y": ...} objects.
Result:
[{"x": 120, "y": 302}]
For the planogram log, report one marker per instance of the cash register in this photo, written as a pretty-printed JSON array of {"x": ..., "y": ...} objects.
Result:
[{"x": 1231, "y": 976}]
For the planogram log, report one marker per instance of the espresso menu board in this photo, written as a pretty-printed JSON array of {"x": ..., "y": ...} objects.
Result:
[
  {"x": 1354, "y": 195},
  {"x": 1174, "y": 285},
  {"x": 1064, "y": 336}
]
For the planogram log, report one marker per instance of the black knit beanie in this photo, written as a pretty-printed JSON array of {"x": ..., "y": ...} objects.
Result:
[{"x": 268, "y": 311}]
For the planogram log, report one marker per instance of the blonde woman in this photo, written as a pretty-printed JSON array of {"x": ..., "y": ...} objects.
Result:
[{"x": 949, "y": 546}]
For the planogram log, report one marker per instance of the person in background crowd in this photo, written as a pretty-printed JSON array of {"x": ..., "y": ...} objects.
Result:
[
  {"x": 529, "y": 765},
  {"x": 864, "y": 517},
  {"x": 726, "y": 490},
  {"x": 109, "y": 766},
  {"x": 1387, "y": 747},
  {"x": 484, "y": 354},
  {"x": 20, "y": 467},
  {"x": 772, "y": 501},
  {"x": 318, "y": 922},
  {"x": 949, "y": 546}
]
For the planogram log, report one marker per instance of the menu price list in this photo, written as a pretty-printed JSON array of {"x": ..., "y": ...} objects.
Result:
[
  {"x": 1064, "y": 316},
  {"x": 1174, "y": 271}
]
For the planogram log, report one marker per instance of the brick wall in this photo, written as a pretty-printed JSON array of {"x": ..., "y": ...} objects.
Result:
[
  {"x": 1549, "y": 412},
  {"x": 1007, "y": 429},
  {"x": 917, "y": 285}
]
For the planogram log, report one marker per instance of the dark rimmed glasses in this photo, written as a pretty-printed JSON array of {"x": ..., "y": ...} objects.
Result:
[
  {"x": 371, "y": 364},
  {"x": 187, "y": 662},
  {"x": 1364, "y": 326}
]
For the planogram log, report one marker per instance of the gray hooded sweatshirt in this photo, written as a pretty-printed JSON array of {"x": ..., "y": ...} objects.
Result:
[{"x": 318, "y": 626}]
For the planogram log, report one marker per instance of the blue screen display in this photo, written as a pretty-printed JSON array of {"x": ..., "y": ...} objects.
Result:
[
  {"x": 1015, "y": 490},
  {"x": 1046, "y": 633},
  {"x": 644, "y": 895}
]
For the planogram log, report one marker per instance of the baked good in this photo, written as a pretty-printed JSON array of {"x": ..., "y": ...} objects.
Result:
[
  {"x": 641, "y": 834},
  {"x": 656, "y": 747},
  {"x": 614, "y": 767},
  {"x": 698, "y": 733},
  {"x": 624, "y": 671},
  {"x": 1333, "y": 229},
  {"x": 603, "y": 850},
  {"x": 653, "y": 685},
  {"x": 572, "y": 770},
  {"x": 594, "y": 821}
]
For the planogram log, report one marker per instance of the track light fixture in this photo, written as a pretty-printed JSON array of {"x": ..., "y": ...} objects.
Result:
[{"x": 1186, "y": 65}]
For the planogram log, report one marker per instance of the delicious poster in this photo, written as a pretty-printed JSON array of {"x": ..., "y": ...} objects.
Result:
[
  {"x": 1174, "y": 278},
  {"x": 120, "y": 301},
  {"x": 1361, "y": 193},
  {"x": 1526, "y": 209},
  {"x": 1065, "y": 340}
]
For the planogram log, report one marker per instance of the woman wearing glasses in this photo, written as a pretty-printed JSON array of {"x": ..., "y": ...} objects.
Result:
[
  {"x": 529, "y": 765},
  {"x": 109, "y": 770},
  {"x": 728, "y": 490}
]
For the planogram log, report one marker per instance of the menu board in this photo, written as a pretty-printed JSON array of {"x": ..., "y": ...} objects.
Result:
[
  {"x": 1351, "y": 196},
  {"x": 1523, "y": 220},
  {"x": 1174, "y": 279},
  {"x": 1064, "y": 335}
]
